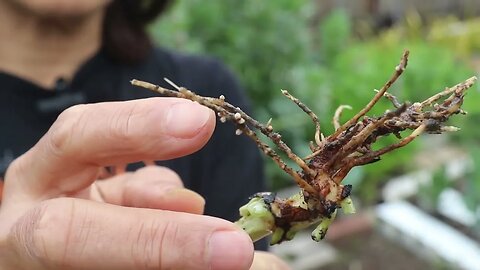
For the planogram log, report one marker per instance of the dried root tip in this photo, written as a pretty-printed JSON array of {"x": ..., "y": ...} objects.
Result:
[
  {"x": 347, "y": 206},
  {"x": 322, "y": 228},
  {"x": 238, "y": 117},
  {"x": 172, "y": 84},
  {"x": 143, "y": 84},
  {"x": 449, "y": 129},
  {"x": 221, "y": 97},
  {"x": 269, "y": 122},
  {"x": 277, "y": 236},
  {"x": 269, "y": 125},
  {"x": 223, "y": 119},
  {"x": 399, "y": 68}
]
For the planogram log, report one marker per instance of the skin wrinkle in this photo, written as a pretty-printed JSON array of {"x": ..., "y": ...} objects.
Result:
[
  {"x": 173, "y": 235},
  {"x": 145, "y": 241},
  {"x": 21, "y": 235},
  {"x": 128, "y": 124},
  {"x": 137, "y": 259},
  {"x": 82, "y": 124},
  {"x": 120, "y": 128},
  {"x": 163, "y": 245},
  {"x": 22, "y": 232},
  {"x": 133, "y": 255},
  {"x": 153, "y": 243},
  {"x": 84, "y": 232},
  {"x": 69, "y": 235},
  {"x": 146, "y": 245},
  {"x": 49, "y": 255},
  {"x": 156, "y": 135},
  {"x": 44, "y": 246}
]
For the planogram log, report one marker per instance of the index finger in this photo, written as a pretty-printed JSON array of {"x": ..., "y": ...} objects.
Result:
[{"x": 87, "y": 137}]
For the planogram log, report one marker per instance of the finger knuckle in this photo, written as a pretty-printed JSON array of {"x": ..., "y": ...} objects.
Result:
[
  {"x": 121, "y": 126},
  {"x": 65, "y": 127},
  {"x": 21, "y": 234},
  {"x": 45, "y": 233},
  {"x": 148, "y": 244},
  {"x": 15, "y": 168},
  {"x": 163, "y": 244}
]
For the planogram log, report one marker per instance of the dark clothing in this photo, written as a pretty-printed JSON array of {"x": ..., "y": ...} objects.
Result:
[{"x": 226, "y": 171}]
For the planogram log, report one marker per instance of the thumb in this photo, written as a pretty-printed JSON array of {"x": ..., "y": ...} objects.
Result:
[{"x": 140, "y": 239}]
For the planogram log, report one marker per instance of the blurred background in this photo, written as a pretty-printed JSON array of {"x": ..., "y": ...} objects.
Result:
[{"x": 419, "y": 207}]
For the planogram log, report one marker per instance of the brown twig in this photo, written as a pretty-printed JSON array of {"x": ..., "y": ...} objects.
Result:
[{"x": 318, "y": 136}]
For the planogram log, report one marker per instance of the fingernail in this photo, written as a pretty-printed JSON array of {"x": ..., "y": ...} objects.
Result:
[
  {"x": 185, "y": 119},
  {"x": 230, "y": 250}
]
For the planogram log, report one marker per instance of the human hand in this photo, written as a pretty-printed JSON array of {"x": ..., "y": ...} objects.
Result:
[{"x": 53, "y": 216}]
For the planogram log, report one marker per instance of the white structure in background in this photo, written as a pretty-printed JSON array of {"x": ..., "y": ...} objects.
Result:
[{"x": 428, "y": 236}]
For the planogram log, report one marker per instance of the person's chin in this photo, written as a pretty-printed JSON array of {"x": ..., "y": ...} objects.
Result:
[{"x": 61, "y": 9}]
